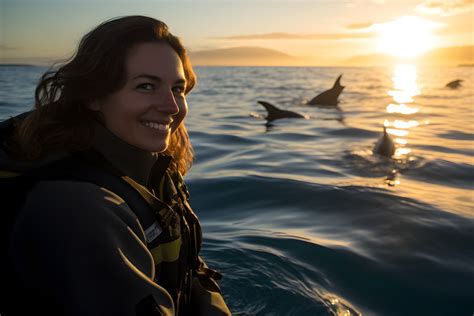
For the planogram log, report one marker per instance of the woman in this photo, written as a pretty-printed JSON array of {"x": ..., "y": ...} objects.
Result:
[{"x": 106, "y": 228}]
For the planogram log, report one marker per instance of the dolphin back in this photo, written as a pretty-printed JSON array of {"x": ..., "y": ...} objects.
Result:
[
  {"x": 454, "y": 84},
  {"x": 329, "y": 97},
  {"x": 385, "y": 145},
  {"x": 275, "y": 113}
]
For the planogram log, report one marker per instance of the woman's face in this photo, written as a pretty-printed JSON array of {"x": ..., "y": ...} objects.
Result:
[{"x": 151, "y": 105}]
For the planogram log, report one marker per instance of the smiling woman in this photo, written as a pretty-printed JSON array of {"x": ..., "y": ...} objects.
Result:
[
  {"x": 148, "y": 108},
  {"x": 95, "y": 172},
  {"x": 408, "y": 36}
]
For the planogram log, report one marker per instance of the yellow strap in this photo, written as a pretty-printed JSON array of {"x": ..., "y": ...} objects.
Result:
[
  {"x": 8, "y": 174},
  {"x": 167, "y": 252},
  {"x": 180, "y": 179}
]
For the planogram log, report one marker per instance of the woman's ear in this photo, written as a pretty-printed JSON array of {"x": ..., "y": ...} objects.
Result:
[{"x": 93, "y": 105}]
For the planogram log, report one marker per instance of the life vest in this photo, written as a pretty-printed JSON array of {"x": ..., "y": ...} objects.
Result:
[{"x": 172, "y": 232}]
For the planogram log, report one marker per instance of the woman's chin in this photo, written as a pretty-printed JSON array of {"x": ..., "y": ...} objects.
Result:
[{"x": 154, "y": 148}]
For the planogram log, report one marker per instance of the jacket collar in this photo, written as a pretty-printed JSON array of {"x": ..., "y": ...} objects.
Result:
[{"x": 136, "y": 163}]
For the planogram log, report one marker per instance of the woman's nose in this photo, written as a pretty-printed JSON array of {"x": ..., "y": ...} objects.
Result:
[{"x": 167, "y": 102}]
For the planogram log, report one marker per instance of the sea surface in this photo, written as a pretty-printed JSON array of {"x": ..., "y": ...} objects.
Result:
[{"x": 300, "y": 216}]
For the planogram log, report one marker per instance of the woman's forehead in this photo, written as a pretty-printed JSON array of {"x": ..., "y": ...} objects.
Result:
[{"x": 156, "y": 59}]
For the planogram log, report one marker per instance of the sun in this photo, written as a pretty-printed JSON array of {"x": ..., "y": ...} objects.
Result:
[{"x": 408, "y": 36}]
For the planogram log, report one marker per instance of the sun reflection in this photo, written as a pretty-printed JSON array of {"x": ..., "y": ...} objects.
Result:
[
  {"x": 401, "y": 108},
  {"x": 404, "y": 84},
  {"x": 397, "y": 132},
  {"x": 402, "y": 151},
  {"x": 392, "y": 183},
  {"x": 404, "y": 90},
  {"x": 405, "y": 77},
  {"x": 401, "y": 141},
  {"x": 400, "y": 96},
  {"x": 339, "y": 306},
  {"x": 405, "y": 124}
]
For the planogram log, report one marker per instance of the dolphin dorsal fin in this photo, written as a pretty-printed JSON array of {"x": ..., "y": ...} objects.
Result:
[
  {"x": 269, "y": 107},
  {"x": 337, "y": 83}
]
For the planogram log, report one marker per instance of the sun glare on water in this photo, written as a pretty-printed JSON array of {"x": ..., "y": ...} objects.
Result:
[{"x": 406, "y": 37}]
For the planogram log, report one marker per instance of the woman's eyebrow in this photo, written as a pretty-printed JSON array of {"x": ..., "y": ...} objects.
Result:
[{"x": 158, "y": 79}]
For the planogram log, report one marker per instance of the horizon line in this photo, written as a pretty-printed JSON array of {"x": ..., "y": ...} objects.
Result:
[{"x": 279, "y": 66}]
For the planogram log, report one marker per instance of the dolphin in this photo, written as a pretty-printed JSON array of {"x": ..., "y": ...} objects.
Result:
[
  {"x": 385, "y": 145},
  {"x": 329, "y": 97},
  {"x": 275, "y": 113},
  {"x": 454, "y": 84}
]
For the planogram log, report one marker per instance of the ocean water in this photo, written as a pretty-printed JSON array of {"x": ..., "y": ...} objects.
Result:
[{"x": 300, "y": 216}]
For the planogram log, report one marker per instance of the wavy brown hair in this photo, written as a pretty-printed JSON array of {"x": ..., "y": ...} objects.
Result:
[{"x": 61, "y": 120}]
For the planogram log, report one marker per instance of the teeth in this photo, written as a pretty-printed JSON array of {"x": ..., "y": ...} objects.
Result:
[{"x": 157, "y": 126}]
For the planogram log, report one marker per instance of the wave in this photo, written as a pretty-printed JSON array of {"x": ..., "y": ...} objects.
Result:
[
  {"x": 298, "y": 243},
  {"x": 444, "y": 173},
  {"x": 457, "y": 135}
]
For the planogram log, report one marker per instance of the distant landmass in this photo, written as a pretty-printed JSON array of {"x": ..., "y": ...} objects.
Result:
[
  {"x": 243, "y": 56},
  {"x": 447, "y": 56},
  {"x": 259, "y": 56}
]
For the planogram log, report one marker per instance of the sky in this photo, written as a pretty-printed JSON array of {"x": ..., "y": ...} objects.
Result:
[{"x": 324, "y": 31}]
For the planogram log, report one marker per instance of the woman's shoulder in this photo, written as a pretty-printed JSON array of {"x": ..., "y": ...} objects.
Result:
[
  {"x": 71, "y": 194},
  {"x": 76, "y": 203}
]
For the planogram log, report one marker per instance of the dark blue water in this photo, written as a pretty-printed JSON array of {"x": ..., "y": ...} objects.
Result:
[{"x": 301, "y": 217}]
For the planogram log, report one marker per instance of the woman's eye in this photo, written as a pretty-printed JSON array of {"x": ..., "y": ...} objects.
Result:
[
  {"x": 178, "y": 90},
  {"x": 145, "y": 87}
]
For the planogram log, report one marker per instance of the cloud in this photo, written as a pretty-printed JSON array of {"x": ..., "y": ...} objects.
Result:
[
  {"x": 408, "y": 22},
  {"x": 358, "y": 3},
  {"x": 289, "y": 36},
  {"x": 360, "y": 26},
  {"x": 445, "y": 7}
]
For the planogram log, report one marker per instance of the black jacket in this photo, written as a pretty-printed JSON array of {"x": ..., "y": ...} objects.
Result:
[{"x": 78, "y": 248}]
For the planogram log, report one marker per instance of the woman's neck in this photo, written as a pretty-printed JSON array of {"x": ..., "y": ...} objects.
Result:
[{"x": 132, "y": 161}]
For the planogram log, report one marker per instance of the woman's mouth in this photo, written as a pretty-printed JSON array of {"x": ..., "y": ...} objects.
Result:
[{"x": 157, "y": 126}]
